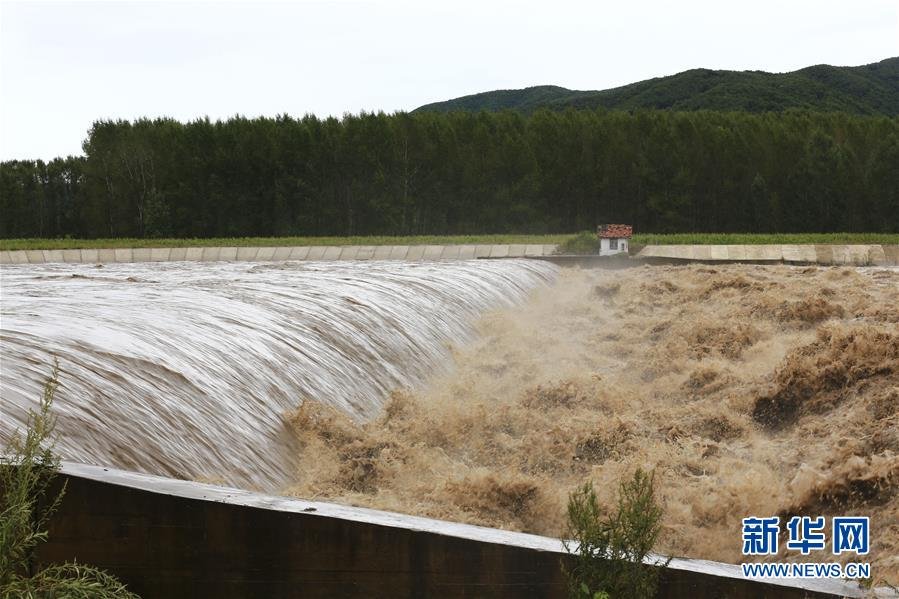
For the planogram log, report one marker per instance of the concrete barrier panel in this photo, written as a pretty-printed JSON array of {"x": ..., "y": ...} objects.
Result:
[
  {"x": 823, "y": 254},
  {"x": 773, "y": 253},
  {"x": 659, "y": 251},
  {"x": 807, "y": 253},
  {"x": 178, "y": 254},
  {"x": 877, "y": 256},
  {"x": 53, "y": 256},
  {"x": 482, "y": 251},
  {"x": 122, "y": 254},
  {"x": 71, "y": 256},
  {"x": 382, "y": 252},
  {"x": 859, "y": 255},
  {"x": 716, "y": 252},
  {"x": 332, "y": 253},
  {"x": 140, "y": 255},
  {"x": 265, "y": 253},
  {"x": 450, "y": 252},
  {"x": 5, "y": 258},
  {"x": 415, "y": 253},
  {"x": 399, "y": 252},
  {"x": 550, "y": 249},
  {"x": 703, "y": 252},
  {"x": 210, "y": 254},
  {"x": 799, "y": 253},
  {"x": 90, "y": 255},
  {"x": 499, "y": 251},
  {"x": 299, "y": 253},
  {"x": 348, "y": 252},
  {"x": 106, "y": 255},
  {"x": 247, "y": 254},
  {"x": 839, "y": 254},
  {"x": 20, "y": 257},
  {"x": 34, "y": 256},
  {"x": 517, "y": 250},
  {"x": 533, "y": 250},
  {"x": 160, "y": 254},
  {"x": 194, "y": 254},
  {"x": 365, "y": 252},
  {"x": 432, "y": 252},
  {"x": 736, "y": 252},
  {"x": 754, "y": 253},
  {"x": 467, "y": 252},
  {"x": 315, "y": 252},
  {"x": 791, "y": 253},
  {"x": 228, "y": 254},
  {"x": 891, "y": 253}
]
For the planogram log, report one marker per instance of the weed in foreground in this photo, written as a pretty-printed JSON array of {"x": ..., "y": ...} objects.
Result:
[
  {"x": 609, "y": 549},
  {"x": 27, "y": 468}
]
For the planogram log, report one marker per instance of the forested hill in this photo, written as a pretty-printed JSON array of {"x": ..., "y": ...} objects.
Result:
[{"x": 869, "y": 89}]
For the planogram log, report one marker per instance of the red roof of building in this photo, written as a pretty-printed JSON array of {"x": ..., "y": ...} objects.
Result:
[{"x": 615, "y": 231}]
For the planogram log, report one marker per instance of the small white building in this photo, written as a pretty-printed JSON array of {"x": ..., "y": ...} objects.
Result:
[{"x": 613, "y": 239}]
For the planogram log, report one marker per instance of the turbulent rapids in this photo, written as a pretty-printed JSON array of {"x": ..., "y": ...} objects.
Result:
[
  {"x": 747, "y": 389},
  {"x": 188, "y": 369}
]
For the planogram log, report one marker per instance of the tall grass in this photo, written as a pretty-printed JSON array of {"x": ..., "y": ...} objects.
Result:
[
  {"x": 585, "y": 242},
  {"x": 52, "y": 244},
  {"x": 27, "y": 470}
]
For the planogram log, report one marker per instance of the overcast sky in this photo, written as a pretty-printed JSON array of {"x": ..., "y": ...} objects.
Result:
[{"x": 65, "y": 64}]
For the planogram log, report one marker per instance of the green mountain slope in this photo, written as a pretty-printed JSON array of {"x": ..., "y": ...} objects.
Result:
[{"x": 868, "y": 89}]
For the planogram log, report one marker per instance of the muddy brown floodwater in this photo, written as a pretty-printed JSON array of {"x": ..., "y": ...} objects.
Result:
[{"x": 750, "y": 390}]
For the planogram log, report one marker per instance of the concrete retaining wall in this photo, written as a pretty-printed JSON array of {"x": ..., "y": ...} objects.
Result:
[
  {"x": 171, "y": 538},
  {"x": 799, "y": 254},
  {"x": 858, "y": 255},
  {"x": 262, "y": 254}
]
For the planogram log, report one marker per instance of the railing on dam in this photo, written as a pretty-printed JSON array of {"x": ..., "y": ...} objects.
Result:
[{"x": 175, "y": 538}]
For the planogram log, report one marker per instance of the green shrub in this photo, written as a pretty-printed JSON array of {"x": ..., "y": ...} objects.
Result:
[
  {"x": 609, "y": 549},
  {"x": 26, "y": 471},
  {"x": 585, "y": 242}
]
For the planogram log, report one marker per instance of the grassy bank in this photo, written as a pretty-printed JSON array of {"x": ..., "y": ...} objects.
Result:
[
  {"x": 644, "y": 239},
  {"x": 61, "y": 244}
]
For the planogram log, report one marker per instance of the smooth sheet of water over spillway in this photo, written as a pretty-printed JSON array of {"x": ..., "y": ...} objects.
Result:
[{"x": 186, "y": 369}]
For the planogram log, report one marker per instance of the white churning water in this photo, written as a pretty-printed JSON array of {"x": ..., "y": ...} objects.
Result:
[{"x": 186, "y": 369}]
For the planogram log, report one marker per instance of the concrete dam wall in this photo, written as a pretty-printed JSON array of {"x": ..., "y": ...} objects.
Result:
[
  {"x": 839, "y": 254},
  {"x": 857, "y": 255},
  {"x": 175, "y": 538},
  {"x": 410, "y": 253}
]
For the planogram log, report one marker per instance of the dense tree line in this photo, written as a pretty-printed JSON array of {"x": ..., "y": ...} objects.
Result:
[{"x": 430, "y": 173}]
